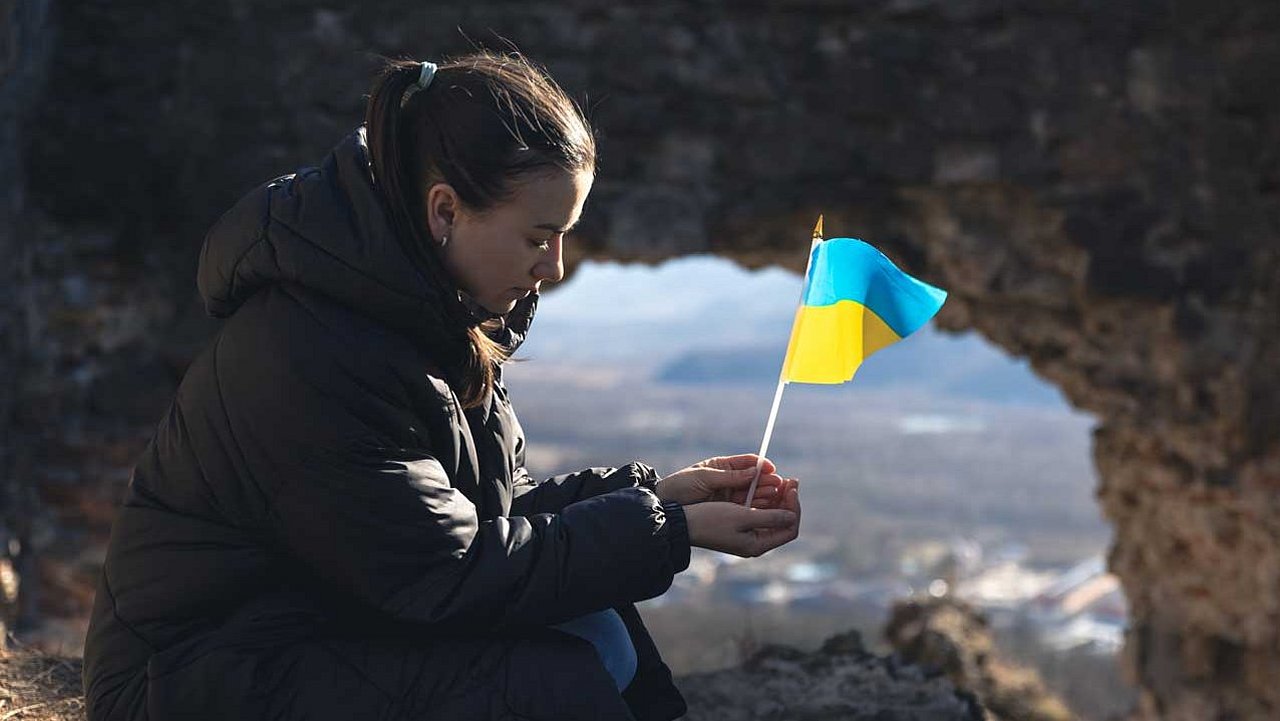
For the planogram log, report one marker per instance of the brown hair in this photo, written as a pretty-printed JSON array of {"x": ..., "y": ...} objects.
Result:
[{"x": 485, "y": 120}]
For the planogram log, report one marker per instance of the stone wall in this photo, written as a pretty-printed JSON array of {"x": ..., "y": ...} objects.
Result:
[
  {"x": 25, "y": 42},
  {"x": 1096, "y": 183}
]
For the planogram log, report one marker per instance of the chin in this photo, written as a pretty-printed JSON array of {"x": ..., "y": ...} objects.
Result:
[{"x": 502, "y": 306}]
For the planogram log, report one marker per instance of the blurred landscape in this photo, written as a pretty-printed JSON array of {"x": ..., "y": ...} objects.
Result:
[
  {"x": 946, "y": 467},
  {"x": 1097, "y": 184}
]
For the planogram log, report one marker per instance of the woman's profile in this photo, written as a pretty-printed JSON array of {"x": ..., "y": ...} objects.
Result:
[{"x": 333, "y": 519}]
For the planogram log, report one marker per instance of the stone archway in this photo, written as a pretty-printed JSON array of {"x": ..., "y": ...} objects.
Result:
[{"x": 1098, "y": 186}]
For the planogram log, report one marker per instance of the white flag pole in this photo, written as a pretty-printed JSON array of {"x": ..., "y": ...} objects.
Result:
[
  {"x": 782, "y": 382},
  {"x": 764, "y": 444}
]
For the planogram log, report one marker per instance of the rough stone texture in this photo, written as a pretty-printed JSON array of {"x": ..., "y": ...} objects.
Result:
[
  {"x": 840, "y": 682},
  {"x": 953, "y": 637},
  {"x": 1096, "y": 183},
  {"x": 24, "y": 47}
]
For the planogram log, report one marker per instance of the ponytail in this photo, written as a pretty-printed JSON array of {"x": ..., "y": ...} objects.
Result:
[{"x": 485, "y": 120}]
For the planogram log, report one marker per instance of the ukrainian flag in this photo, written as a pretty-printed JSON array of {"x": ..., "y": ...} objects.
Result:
[{"x": 855, "y": 302}]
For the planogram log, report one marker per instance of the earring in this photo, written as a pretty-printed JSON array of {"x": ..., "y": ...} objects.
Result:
[{"x": 444, "y": 240}]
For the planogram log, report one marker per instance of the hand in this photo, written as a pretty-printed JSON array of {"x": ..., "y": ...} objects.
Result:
[
  {"x": 723, "y": 478},
  {"x": 746, "y": 532}
]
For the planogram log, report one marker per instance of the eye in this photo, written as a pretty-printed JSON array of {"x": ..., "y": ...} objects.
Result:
[{"x": 540, "y": 244}]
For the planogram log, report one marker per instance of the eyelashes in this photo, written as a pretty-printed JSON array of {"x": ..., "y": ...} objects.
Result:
[{"x": 542, "y": 245}]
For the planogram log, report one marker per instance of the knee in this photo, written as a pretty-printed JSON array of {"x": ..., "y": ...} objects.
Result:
[
  {"x": 560, "y": 676},
  {"x": 611, "y": 640}
]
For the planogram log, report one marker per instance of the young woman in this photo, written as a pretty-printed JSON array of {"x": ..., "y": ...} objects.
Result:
[{"x": 333, "y": 519}]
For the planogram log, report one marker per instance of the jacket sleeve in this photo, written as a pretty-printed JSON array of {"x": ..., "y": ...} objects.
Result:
[
  {"x": 386, "y": 527},
  {"x": 556, "y": 492}
]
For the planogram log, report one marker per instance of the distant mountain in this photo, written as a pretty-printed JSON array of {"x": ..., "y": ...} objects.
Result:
[
  {"x": 703, "y": 319},
  {"x": 650, "y": 315},
  {"x": 929, "y": 362}
]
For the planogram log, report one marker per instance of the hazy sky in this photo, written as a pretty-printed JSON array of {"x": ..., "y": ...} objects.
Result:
[{"x": 704, "y": 307}]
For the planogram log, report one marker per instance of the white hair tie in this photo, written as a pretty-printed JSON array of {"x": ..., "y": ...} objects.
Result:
[
  {"x": 424, "y": 79},
  {"x": 428, "y": 72}
]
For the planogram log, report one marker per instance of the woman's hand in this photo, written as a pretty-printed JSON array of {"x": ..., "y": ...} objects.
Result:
[
  {"x": 723, "y": 478},
  {"x": 746, "y": 532}
]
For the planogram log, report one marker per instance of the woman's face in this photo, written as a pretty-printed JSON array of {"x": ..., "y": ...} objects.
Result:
[{"x": 503, "y": 254}]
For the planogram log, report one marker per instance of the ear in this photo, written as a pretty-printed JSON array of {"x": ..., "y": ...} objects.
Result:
[{"x": 442, "y": 207}]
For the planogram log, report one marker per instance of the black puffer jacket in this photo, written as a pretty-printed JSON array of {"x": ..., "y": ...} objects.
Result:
[{"x": 318, "y": 531}]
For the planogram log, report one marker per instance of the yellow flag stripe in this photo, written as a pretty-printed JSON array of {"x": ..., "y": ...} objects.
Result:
[{"x": 829, "y": 342}]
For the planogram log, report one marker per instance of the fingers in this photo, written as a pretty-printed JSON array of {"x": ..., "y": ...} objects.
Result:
[
  {"x": 770, "y": 492},
  {"x": 746, "y": 532},
  {"x": 741, "y": 478},
  {"x": 764, "y": 498},
  {"x": 785, "y": 496},
  {"x": 741, "y": 461},
  {"x": 753, "y": 519},
  {"x": 767, "y": 539}
]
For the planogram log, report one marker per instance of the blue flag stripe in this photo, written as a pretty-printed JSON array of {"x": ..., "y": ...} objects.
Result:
[{"x": 850, "y": 269}]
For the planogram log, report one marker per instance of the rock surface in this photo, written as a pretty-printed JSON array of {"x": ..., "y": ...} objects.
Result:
[
  {"x": 1096, "y": 183},
  {"x": 840, "y": 682},
  {"x": 953, "y": 637}
]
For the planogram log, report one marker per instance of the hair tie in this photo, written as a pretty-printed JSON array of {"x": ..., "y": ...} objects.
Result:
[
  {"x": 428, "y": 72},
  {"x": 425, "y": 76}
]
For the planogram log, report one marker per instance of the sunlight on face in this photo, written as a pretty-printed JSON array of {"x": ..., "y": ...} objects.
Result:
[{"x": 503, "y": 254}]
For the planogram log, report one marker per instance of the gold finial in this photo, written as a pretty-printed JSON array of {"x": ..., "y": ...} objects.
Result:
[{"x": 817, "y": 229}]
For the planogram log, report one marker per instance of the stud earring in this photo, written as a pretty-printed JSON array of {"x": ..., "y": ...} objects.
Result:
[{"x": 444, "y": 240}]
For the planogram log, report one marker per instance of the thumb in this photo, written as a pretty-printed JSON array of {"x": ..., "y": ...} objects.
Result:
[{"x": 767, "y": 518}]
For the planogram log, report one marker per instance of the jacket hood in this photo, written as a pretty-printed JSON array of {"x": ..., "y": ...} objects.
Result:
[{"x": 325, "y": 228}]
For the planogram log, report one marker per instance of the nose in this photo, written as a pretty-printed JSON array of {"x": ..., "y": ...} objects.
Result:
[{"x": 550, "y": 265}]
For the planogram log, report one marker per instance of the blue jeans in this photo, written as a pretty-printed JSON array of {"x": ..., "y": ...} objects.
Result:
[{"x": 606, "y": 631}]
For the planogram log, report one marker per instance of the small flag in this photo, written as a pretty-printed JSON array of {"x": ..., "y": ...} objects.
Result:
[{"x": 855, "y": 302}]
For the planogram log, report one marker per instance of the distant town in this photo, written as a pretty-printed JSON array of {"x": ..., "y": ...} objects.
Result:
[{"x": 1078, "y": 607}]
